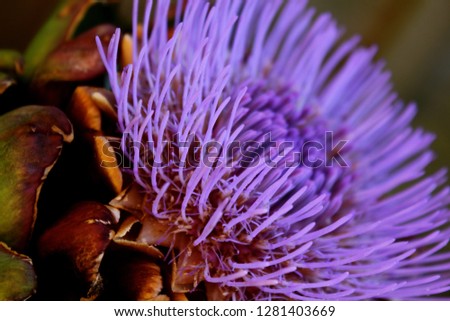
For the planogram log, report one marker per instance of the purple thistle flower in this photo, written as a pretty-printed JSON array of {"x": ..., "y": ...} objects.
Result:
[{"x": 369, "y": 225}]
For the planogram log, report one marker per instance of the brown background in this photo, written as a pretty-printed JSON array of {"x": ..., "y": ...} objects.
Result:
[{"x": 413, "y": 37}]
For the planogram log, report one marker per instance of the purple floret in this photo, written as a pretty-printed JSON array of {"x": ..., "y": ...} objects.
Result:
[{"x": 280, "y": 218}]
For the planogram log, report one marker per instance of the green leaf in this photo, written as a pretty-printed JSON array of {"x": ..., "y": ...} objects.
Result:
[
  {"x": 31, "y": 139},
  {"x": 11, "y": 60},
  {"x": 17, "y": 277}
]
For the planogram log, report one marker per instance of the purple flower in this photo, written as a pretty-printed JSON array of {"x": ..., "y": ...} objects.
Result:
[{"x": 272, "y": 208}]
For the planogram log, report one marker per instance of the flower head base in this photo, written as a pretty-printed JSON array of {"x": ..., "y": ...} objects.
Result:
[{"x": 239, "y": 72}]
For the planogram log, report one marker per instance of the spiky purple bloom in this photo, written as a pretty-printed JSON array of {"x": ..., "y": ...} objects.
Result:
[{"x": 371, "y": 228}]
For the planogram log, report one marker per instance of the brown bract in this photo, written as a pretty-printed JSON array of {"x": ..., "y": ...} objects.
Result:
[
  {"x": 107, "y": 165},
  {"x": 145, "y": 233},
  {"x": 187, "y": 269},
  {"x": 73, "y": 249},
  {"x": 91, "y": 108},
  {"x": 71, "y": 63},
  {"x": 132, "y": 272},
  {"x": 131, "y": 200},
  {"x": 77, "y": 59},
  {"x": 92, "y": 113}
]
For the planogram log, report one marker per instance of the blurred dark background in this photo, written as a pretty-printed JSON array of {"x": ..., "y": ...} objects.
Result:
[{"x": 413, "y": 36}]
